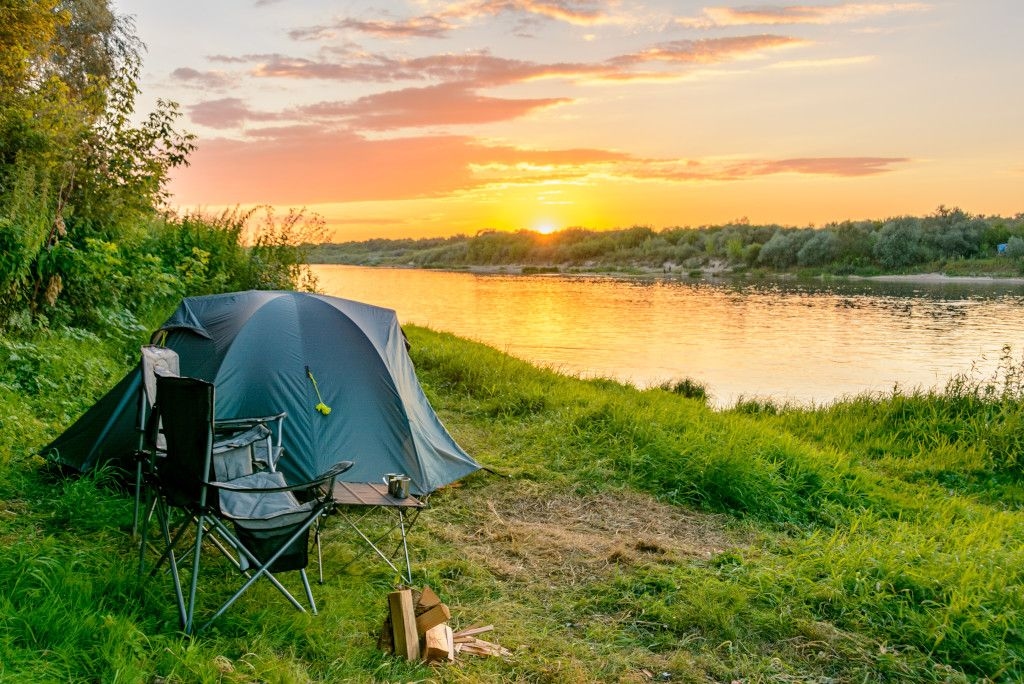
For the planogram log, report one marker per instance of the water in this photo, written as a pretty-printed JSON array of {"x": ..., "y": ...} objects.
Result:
[{"x": 798, "y": 343}]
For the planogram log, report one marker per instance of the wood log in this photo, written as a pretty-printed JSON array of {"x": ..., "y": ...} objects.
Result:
[
  {"x": 435, "y": 616},
  {"x": 483, "y": 648},
  {"x": 403, "y": 625},
  {"x": 439, "y": 644},
  {"x": 427, "y": 600},
  {"x": 474, "y": 630}
]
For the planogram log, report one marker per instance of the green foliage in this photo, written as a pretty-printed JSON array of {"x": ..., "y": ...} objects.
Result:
[
  {"x": 74, "y": 169},
  {"x": 820, "y": 249},
  {"x": 1015, "y": 247},
  {"x": 278, "y": 257},
  {"x": 689, "y": 388},
  {"x": 899, "y": 244}
]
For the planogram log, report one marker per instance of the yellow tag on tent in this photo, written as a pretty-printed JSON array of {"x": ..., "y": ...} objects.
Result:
[{"x": 321, "y": 406}]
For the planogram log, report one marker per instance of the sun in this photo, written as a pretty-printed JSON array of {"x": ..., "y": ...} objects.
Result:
[{"x": 545, "y": 228}]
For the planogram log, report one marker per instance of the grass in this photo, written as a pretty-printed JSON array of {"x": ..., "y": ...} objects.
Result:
[{"x": 626, "y": 535}]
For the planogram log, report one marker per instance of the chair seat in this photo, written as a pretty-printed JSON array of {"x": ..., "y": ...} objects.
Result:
[{"x": 261, "y": 510}]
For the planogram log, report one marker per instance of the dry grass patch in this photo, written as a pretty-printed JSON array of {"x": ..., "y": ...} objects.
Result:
[{"x": 529, "y": 533}]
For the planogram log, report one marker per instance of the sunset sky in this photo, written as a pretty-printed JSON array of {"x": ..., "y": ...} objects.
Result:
[{"x": 418, "y": 118}]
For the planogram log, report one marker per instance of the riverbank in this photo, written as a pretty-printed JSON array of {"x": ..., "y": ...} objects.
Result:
[
  {"x": 718, "y": 272},
  {"x": 943, "y": 279}
]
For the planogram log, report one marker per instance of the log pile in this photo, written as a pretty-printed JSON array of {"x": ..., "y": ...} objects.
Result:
[{"x": 417, "y": 628}]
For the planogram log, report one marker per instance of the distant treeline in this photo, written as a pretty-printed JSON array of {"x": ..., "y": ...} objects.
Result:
[{"x": 943, "y": 240}]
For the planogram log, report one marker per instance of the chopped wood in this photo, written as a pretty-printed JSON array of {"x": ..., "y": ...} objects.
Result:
[
  {"x": 427, "y": 600},
  {"x": 474, "y": 630},
  {"x": 439, "y": 644},
  {"x": 482, "y": 648},
  {"x": 437, "y": 615},
  {"x": 403, "y": 625}
]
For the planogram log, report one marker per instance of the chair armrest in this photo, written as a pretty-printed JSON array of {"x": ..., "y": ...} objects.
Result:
[
  {"x": 243, "y": 439},
  {"x": 229, "y": 423},
  {"x": 335, "y": 470}
]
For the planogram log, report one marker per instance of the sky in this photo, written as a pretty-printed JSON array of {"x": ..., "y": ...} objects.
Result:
[{"x": 417, "y": 118}]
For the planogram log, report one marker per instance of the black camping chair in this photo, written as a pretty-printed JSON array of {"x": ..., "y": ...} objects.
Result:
[
  {"x": 163, "y": 361},
  {"x": 270, "y": 526}
]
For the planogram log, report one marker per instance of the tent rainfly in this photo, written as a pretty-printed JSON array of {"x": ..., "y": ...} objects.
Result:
[{"x": 340, "y": 368}]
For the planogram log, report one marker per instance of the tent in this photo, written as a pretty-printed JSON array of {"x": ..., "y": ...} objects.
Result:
[{"x": 340, "y": 368}]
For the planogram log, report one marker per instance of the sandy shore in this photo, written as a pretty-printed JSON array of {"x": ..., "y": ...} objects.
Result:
[{"x": 940, "y": 278}]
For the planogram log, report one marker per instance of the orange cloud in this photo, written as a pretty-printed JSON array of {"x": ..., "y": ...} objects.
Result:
[
  {"x": 481, "y": 68},
  {"x": 579, "y": 12},
  {"x": 708, "y": 50},
  {"x": 445, "y": 104},
  {"x": 311, "y": 165},
  {"x": 208, "y": 80},
  {"x": 416, "y": 27},
  {"x": 228, "y": 112},
  {"x": 683, "y": 170},
  {"x": 797, "y": 14},
  {"x": 825, "y": 166}
]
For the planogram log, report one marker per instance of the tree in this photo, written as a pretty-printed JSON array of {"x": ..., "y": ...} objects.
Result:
[{"x": 74, "y": 169}]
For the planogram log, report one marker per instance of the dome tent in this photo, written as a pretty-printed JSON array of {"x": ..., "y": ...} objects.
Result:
[{"x": 298, "y": 352}]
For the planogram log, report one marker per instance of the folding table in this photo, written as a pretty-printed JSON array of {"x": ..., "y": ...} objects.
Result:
[{"x": 372, "y": 497}]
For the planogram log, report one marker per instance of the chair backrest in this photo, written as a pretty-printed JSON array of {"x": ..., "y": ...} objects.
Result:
[
  {"x": 157, "y": 361},
  {"x": 185, "y": 407}
]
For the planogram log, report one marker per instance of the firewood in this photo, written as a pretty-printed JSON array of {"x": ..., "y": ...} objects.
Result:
[
  {"x": 474, "y": 630},
  {"x": 439, "y": 644},
  {"x": 437, "y": 615},
  {"x": 482, "y": 648},
  {"x": 426, "y": 600},
  {"x": 403, "y": 625}
]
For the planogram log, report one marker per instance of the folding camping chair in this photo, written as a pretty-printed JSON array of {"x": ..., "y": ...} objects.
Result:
[
  {"x": 269, "y": 530},
  {"x": 163, "y": 361}
]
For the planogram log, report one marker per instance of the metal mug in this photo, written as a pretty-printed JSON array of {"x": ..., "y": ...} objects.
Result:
[{"x": 398, "y": 486}]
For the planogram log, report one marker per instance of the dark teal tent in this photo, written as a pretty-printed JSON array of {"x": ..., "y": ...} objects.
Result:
[{"x": 256, "y": 347}]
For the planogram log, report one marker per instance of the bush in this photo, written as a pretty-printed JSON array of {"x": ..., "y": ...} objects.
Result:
[
  {"x": 899, "y": 244},
  {"x": 821, "y": 248}
]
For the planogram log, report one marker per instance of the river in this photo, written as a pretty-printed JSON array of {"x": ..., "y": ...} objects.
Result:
[{"x": 807, "y": 343}]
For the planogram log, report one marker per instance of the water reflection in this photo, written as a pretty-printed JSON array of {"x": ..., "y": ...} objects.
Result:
[{"x": 805, "y": 342}]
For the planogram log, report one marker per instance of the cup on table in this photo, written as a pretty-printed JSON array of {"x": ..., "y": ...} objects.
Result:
[{"x": 398, "y": 485}]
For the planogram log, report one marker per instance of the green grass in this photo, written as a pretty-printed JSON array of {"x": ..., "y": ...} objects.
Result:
[{"x": 625, "y": 535}]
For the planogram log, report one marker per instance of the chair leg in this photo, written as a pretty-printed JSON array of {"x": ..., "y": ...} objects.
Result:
[
  {"x": 138, "y": 495},
  {"x": 145, "y": 536},
  {"x": 319, "y": 554},
  {"x": 263, "y": 569},
  {"x": 163, "y": 517},
  {"x": 195, "y": 575},
  {"x": 309, "y": 592}
]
